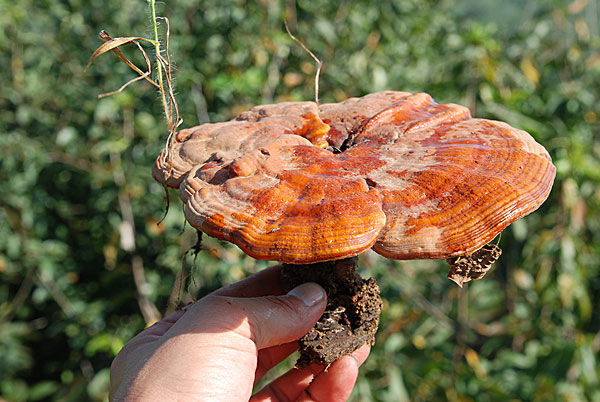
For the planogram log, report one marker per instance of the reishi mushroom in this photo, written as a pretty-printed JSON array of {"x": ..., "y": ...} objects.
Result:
[{"x": 395, "y": 172}]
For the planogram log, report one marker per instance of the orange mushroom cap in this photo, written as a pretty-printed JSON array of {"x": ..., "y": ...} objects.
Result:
[{"x": 393, "y": 171}]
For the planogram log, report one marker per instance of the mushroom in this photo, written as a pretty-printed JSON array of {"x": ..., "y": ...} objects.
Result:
[{"x": 395, "y": 172}]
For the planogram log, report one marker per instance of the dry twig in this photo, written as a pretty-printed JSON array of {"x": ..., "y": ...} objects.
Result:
[{"x": 319, "y": 63}]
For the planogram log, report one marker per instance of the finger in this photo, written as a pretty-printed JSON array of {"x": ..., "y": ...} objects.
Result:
[
  {"x": 340, "y": 377},
  {"x": 337, "y": 382},
  {"x": 289, "y": 386},
  {"x": 266, "y": 321},
  {"x": 270, "y": 357},
  {"x": 162, "y": 326},
  {"x": 362, "y": 353},
  {"x": 263, "y": 283},
  {"x": 333, "y": 385},
  {"x": 152, "y": 333}
]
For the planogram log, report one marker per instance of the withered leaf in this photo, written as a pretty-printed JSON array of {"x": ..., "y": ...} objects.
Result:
[
  {"x": 466, "y": 268},
  {"x": 114, "y": 43}
]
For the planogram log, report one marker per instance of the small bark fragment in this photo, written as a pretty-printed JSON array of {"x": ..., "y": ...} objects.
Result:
[{"x": 466, "y": 268}]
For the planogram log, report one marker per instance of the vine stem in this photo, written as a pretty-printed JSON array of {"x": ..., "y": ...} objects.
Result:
[{"x": 163, "y": 95}]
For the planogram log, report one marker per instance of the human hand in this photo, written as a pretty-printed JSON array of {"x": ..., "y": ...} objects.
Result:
[{"x": 219, "y": 347}]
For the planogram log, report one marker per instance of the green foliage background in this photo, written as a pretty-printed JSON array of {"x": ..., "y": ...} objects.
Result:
[{"x": 75, "y": 179}]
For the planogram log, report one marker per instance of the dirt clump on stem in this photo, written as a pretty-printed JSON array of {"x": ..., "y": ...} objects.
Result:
[{"x": 352, "y": 314}]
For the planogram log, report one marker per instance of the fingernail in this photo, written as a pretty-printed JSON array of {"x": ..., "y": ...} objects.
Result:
[{"x": 310, "y": 293}]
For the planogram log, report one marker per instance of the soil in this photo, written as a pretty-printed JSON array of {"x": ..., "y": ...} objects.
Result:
[{"x": 352, "y": 314}]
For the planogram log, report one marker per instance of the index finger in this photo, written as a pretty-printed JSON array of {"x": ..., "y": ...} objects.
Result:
[{"x": 263, "y": 283}]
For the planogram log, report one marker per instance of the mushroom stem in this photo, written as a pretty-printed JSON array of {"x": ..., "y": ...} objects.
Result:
[{"x": 352, "y": 314}]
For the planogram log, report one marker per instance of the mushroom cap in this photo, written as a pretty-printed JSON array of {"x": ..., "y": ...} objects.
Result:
[{"x": 301, "y": 183}]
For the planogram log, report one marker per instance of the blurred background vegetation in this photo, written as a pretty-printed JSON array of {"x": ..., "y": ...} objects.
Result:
[{"x": 84, "y": 266}]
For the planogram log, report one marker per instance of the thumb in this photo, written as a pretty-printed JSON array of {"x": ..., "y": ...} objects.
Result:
[{"x": 274, "y": 320}]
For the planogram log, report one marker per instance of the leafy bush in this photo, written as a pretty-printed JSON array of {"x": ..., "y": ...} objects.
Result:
[{"x": 79, "y": 206}]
